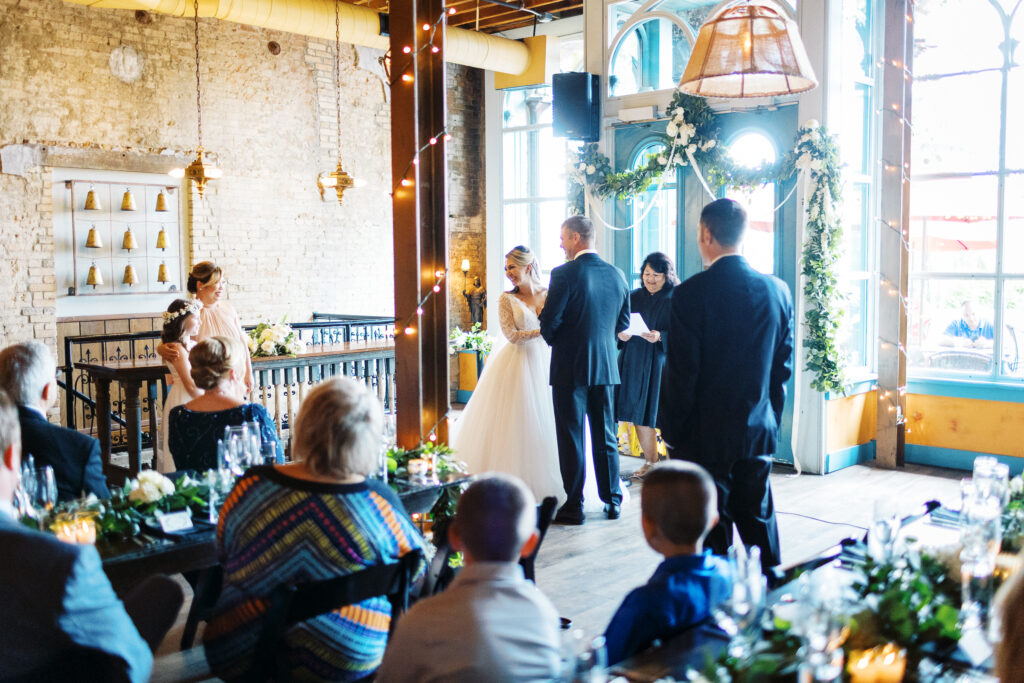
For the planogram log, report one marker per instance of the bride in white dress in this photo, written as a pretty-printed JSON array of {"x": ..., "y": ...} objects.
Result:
[{"x": 509, "y": 423}]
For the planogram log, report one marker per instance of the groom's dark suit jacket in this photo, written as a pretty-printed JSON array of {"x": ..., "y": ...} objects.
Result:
[
  {"x": 587, "y": 305},
  {"x": 727, "y": 362},
  {"x": 74, "y": 457}
]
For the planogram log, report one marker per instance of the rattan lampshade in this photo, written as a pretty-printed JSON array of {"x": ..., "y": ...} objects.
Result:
[{"x": 748, "y": 49}]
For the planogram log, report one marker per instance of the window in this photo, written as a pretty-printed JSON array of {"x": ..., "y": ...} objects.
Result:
[
  {"x": 751, "y": 149},
  {"x": 855, "y": 127},
  {"x": 533, "y": 167},
  {"x": 649, "y": 44},
  {"x": 966, "y": 304},
  {"x": 653, "y": 214}
]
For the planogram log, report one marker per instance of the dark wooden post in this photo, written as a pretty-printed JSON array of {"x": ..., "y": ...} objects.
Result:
[{"x": 418, "y": 114}]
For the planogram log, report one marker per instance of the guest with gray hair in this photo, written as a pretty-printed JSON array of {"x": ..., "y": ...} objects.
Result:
[
  {"x": 28, "y": 375},
  {"x": 491, "y": 624}
]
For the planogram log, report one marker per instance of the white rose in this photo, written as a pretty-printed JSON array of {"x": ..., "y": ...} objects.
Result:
[
  {"x": 671, "y": 130},
  {"x": 147, "y": 492},
  {"x": 817, "y": 165},
  {"x": 591, "y": 169},
  {"x": 663, "y": 161},
  {"x": 1017, "y": 485},
  {"x": 266, "y": 334},
  {"x": 680, "y": 115},
  {"x": 268, "y": 346},
  {"x": 812, "y": 124},
  {"x": 582, "y": 166},
  {"x": 166, "y": 486},
  {"x": 803, "y": 162},
  {"x": 251, "y": 343},
  {"x": 691, "y": 148}
]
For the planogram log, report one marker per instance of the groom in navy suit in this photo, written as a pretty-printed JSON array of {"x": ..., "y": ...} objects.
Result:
[
  {"x": 729, "y": 355},
  {"x": 587, "y": 305}
]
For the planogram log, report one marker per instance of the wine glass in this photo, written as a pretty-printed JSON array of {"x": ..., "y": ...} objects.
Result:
[
  {"x": 47, "y": 488},
  {"x": 885, "y": 526},
  {"x": 739, "y": 615},
  {"x": 29, "y": 480},
  {"x": 387, "y": 443},
  {"x": 268, "y": 452},
  {"x": 254, "y": 442},
  {"x": 584, "y": 660}
]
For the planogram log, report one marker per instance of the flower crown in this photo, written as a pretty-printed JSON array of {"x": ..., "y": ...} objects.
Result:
[{"x": 191, "y": 307}]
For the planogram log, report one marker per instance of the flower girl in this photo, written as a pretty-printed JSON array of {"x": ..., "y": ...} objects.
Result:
[{"x": 181, "y": 321}]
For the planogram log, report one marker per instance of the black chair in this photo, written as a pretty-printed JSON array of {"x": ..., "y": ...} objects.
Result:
[
  {"x": 545, "y": 513},
  {"x": 291, "y": 604}
]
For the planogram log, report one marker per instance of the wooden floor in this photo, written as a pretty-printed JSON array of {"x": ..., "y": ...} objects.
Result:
[{"x": 587, "y": 570}]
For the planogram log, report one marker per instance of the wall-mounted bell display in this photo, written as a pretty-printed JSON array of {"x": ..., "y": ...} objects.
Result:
[
  {"x": 129, "y": 276},
  {"x": 94, "y": 278},
  {"x": 128, "y": 242},
  {"x": 161, "y": 239},
  {"x": 91, "y": 202},
  {"x": 93, "y": 241},
  {"x": 161, "y": 201},
  {"x": 127, "y": 201},
  {"x": 161, "y": 274}
]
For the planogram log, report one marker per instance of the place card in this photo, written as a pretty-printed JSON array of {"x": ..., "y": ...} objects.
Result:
[
  {"x": 974, "y": 644},
  {"x": 174, "y": 522}
]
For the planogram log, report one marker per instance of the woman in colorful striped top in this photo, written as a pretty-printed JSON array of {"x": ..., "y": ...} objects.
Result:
[{"x": 310, "y": 520}]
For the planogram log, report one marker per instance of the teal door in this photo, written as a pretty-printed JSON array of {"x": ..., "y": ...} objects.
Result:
[{"x": 770, "y": 244}]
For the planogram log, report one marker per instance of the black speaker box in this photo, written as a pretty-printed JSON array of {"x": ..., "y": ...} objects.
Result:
[{"x": 576, "y": 106}]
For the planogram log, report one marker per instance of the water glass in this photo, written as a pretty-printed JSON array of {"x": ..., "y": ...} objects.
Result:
[
  {"x": 268, "y": 453},
  {"x": 47, "y": 488},
  {"x": 584, "y": 660},
  {"x": 29, "y": 480},
  {"x": 885, "y": 526},
  {"x": 981, "y": 536},
  {"x": 740, "y": 614},
  {"x": 254, "y": 443}
]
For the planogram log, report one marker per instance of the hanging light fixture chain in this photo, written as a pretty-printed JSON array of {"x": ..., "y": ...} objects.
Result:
[
  {"x": 199, "y": 104},
  {"x": 337, "y": 69}
]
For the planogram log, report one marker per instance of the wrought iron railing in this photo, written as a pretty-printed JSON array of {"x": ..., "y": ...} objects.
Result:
[{"x": 279, "y": 383}]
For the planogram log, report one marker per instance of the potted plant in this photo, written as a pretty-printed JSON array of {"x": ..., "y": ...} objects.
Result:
[{"x": 472, "y": 347}]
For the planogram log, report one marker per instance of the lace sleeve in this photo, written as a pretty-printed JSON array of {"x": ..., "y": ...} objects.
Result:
[{"x": 508, "y": 323}]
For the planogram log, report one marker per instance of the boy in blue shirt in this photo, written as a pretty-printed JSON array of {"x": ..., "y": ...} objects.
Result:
[{"x": 679, "y": 505}]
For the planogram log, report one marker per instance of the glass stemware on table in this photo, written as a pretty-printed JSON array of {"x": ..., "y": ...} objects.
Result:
[
  {"x": 981, "y": 515},
  {"x": 740, "y": 614}
]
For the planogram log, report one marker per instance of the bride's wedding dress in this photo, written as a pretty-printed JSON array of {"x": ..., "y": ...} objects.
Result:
[{"x": 509, "y": 423}]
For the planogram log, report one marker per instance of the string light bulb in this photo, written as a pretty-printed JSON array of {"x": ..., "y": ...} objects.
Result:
[
  {"x": 406, "y": 182},
  {"x": 451, "y": 10},
  {"x": 419, "y": 311},
  {"x": 410, "y": 330},
  {"x": 426, "y": 27},
  {"x": 406, "y": 49},
  {"x": 407, "y": 78},
  {"x": 433, "y": 141},
  {"x": 437, "y": 288}
]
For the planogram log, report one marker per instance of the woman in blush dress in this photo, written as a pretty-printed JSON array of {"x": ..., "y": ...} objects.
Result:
[
  {"x": 509, "y": 423},
  {"x": 181, "y": 323}
]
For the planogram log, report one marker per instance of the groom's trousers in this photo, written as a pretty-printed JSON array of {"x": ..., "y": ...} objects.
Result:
[{"x": 572, "y": 404}]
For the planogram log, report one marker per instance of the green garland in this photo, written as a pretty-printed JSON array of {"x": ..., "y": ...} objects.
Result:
[{"x": 692, "y": 132}]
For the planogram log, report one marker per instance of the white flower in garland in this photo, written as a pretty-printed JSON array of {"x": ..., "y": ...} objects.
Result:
[
  {"x": 671, "y": 129},
  {"x": 591, "y": 169},
  {"x": 662, "y": 160}
]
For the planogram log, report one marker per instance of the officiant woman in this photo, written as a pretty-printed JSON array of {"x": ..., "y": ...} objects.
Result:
[{"x": 642, "y": 357}]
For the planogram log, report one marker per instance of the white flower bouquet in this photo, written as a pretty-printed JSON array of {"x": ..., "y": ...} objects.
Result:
[
  {"x": 149, "y": 487},
  {"x": 273, "y": 339}
]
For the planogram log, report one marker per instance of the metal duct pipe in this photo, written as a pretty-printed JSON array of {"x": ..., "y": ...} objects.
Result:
[{"x": 315, "y": 18}]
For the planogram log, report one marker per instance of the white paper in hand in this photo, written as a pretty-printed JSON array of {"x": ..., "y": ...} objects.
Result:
[{"x": 637, "y": 326}]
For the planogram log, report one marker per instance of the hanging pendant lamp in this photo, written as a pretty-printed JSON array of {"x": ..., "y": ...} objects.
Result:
[
  {"x": 92, "y": 240},
  {"x": 127, "y": 201},
  {"x": 748, "y": 48},
  {"x": 95, "y": 277},
  {"x": 161, "y": 274},
  {"x": 128, "y": 241},
  {"x": 91, "y": 202},
  {"x": 129, "y": 276},
  {"x": 197, "y": 171},
  {"x": 338, "y": 179}
]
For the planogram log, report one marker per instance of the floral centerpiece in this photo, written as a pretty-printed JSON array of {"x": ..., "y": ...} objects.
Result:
[
  {"x": 273, "y": 339},
  {"x": 445, "y": 465},
  {"x": 474, "y": 339}
]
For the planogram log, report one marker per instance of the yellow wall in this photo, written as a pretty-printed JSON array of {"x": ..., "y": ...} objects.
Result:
[
  {"x": 966, "y": 424},
  {"x": 850, "y": 421}
]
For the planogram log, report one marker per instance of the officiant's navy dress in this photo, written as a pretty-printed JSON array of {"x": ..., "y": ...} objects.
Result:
[{"x": 641, "y": 362}]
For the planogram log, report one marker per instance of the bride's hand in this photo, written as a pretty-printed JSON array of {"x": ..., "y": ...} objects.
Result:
[{"x": 625, "y": 336}]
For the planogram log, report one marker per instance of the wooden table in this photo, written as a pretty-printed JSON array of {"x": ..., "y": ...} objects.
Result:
[{"x": 312, "y": 366}]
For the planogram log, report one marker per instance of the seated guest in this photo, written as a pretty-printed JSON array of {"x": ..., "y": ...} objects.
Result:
[
  {"x": 63, "y": 620},
  {"x": 28, "y": 375},
  {"x": 969, "y": 330},
  {"x": 218, "y": 367},
  {"x": 316, "y": 518},
  {"x": 678, "y": 508},
  {"x": 491, "y": 624}
]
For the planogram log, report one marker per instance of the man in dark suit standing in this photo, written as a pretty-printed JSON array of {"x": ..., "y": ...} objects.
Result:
[
  {"x": 728, "y": 358},
  {"x": 587, "y": 305},
  {"x": 28, "y": 375}
]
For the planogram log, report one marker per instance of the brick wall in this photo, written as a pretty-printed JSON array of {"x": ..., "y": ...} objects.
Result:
[{"x": 268, "y": 119}]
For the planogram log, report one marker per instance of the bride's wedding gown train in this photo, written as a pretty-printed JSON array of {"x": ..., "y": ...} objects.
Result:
[{"x": 509, "y": 423}]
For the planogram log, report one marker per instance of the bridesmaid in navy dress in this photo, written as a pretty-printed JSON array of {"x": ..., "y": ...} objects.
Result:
[{"x": 642, "y": 357}]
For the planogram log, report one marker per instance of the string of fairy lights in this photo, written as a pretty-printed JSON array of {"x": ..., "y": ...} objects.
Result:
[
  {"x": 423, "y": 41},
  {"x": 893, "y": 396}
]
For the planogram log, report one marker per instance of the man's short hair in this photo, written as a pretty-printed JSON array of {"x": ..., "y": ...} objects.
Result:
[
  {"x": 25, "y": 369},
  {"x": 680, "y": 498},
  {"x": 495, "y": 517},
  {"x": 582, "y": 226},
  {"x": 726, "y": 220},
  {"x": 10, "y": 429}
]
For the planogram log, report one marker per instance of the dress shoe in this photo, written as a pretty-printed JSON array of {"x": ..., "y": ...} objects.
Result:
[
  {"x": 571, "y": 517},
  {"x": 612, "y": 510}
]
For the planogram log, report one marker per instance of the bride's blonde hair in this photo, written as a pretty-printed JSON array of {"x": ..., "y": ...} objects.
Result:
[{"x": 522, "y": 256}]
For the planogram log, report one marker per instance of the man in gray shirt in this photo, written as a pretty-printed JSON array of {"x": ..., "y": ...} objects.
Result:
[{"x": 491, "y": 624}]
